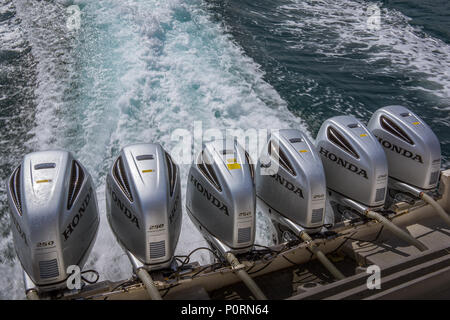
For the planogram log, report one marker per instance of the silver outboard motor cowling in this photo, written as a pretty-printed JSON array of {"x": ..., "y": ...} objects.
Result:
[
  {"x": 354, "y": 162},
  {"x": 290, "y": 180},
  {"x": 221, "y": 202},
  {"x": 143, "y": 202},
  {"x": 220, "y": 195},
  {"x": 357, "y": 171},
  {"x": 413, "y": 152},
  {"x": 412, "y": 149},
  {"x": 54, "y": 213},
  {"x": 297, "y": 190}
]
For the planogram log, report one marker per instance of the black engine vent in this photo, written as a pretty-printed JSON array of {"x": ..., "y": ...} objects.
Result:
[
  {"x": 48, "y": 269},
  {"x": 280, "y": 157},
  {"x": 76, "y": 181},
  {"x": 244, "y": 234},
  {"x": 157, "y": 249},
  {"x": 172, "y": 168},
  {"x": 121, "y": 178},
  {"x": 389, "y": 125},
  {"x": 335, "y": 137},
  {"x": 208, "y": 171},
  {"x": 251, "y": 165},
  {"x": 14, "y": 185}
]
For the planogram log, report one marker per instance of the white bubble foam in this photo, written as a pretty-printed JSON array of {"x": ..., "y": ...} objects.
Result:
[
  {"x": 405, "y": 47},
  {"x": 43, "y": 25},
  {"x": 135, "y": 72}
]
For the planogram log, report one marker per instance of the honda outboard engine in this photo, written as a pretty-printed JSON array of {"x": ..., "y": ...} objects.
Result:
[
  {"x": 412, "y": 149},
  {"x": 290, "y": 181},
  {"x": 297, "y": 190},
  {"x": 413, "y": 153},
  {"x": 143, "y": 203},
  {"x": 220, "y": 196},
  {"x": 354, "y": 162},
  {"x": 356, "y": 170},
  {"x": 55, "y": 218},
  {"x": 221, "y": 202}
]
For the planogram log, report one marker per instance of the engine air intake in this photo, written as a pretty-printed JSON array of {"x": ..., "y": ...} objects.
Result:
[
  {"x": 335, "y": 137},
  {"x": 48, "y": 269},
  {"x": 394, "y": 129},
  {"x": 14, "y": 184},
  {"x": 121, "y": 178},
  {"x": 76, "y": 181}
]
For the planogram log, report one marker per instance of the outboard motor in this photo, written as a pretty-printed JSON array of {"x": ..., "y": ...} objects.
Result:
[
  {"x": 412, "y": 149},
  {"x": 356, "y": 169},
  {"x": 220, "y": 200},
  {"x": 143, "y": 203},
  {"x": 290, "y": 180},
  {"x": 355, "y": 164},
  {"x": 143, "y": 199},
  {"x": 297, "y": 190},
  {"x": 55, "y": 218},
  {"x": 220, "y": 196}
]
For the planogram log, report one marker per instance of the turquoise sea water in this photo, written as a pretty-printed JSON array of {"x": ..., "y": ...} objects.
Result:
[{"x": 323, "y": 60}]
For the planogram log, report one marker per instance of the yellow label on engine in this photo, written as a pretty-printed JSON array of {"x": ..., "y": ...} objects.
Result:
[
  {"x": 363, "y": 135},
  {"x": 303, "y": 151},
  {"x": 43, "y": 181},
  {"x": 148, "y": 170},
  {"x": 416, "y": 123},
  {"x": 233, "y": 166}
]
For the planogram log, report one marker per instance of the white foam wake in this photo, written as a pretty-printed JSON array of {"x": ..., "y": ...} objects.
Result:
[
  {"x": 135, "y": 72},
  {"x": 342, "y": 29}
]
